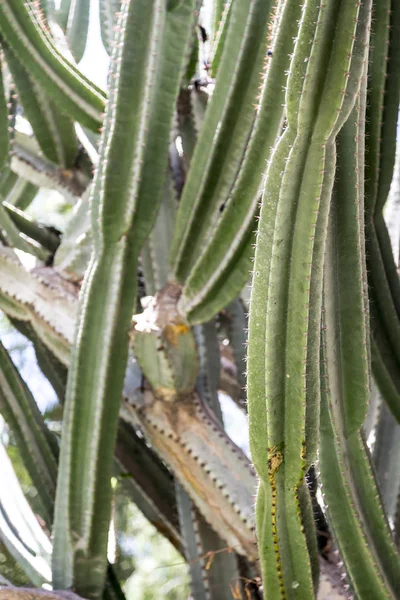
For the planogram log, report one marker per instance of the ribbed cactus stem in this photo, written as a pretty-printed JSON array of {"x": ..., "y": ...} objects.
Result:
[
  {"x": 31, "y": 44},
  {"x": 319, "y": 97},
  {"x": 126, "y": 194},
  {"x": 224, "y": 262},
  {"x": 224, "y": 135},
  {"x": 351, "y": 495}
]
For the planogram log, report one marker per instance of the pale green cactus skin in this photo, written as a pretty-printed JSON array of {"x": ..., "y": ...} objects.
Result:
[
  {"x": 345, "y": 464},
  {"x": 149, "y": 37},
  {"x": 28, "y": 39},
  {"x": 53, "y": 130},
  {"x": 287, "y": 274},
  {"x": 383, "y": 281}
]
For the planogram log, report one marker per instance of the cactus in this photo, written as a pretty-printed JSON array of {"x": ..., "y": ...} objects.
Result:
[{"x": 264, "y": 134}]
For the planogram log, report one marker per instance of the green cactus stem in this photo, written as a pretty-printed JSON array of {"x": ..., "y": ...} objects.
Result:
[
  {"x": 324, "y": 79},
  {"x": 32, "y": 45},
  {"x": 126, "y": 194}
]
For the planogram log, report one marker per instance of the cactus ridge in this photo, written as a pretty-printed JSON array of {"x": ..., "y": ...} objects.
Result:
[
  {"x": 315, "y": 101},
  {"x": 229, "y": 241},
  {"x": 224, "y": 135},
  {"x": 346, "y": 389},
  {"x": 53, "y": 130},
  {"x": 30, "y": 42},
  {"x": 38, "y": 446},
  {"x": 77, "y": 27},
  {"x": 108, "y": 17},
  {"x": 382, "y": 111}
]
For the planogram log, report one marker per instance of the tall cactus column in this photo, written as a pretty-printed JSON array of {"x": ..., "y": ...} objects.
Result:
[
  {"x": 324, "y": 79},
  {"x": 126, "y": 194}
]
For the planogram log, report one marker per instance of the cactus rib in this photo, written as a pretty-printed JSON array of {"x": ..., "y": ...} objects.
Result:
[
  {"x": 225, "y": 132},
  {"x": 53, "y": 130},
  {"x": 36, "y": 444},
  {"x": 382, "y": 109},
  {"x": 345, "y": 463},
  {"x": 125, "y": 197},
  {"x": 224, "y": 264},
  {"x": 321, "y": 92},
  {"x": 77, "y": 27},
  {"x": 108, "y": 19},
  {"x": 26, "y": 37}
]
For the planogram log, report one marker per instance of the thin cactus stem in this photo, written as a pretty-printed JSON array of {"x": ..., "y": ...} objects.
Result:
[
  {"x": 321, "y": 92},
  {"x": 27, "y": 38},
  {"x": 54, "y": 131},
  {"x": 63, "y": 13},
  {"x": 231, "y": 113},
  {"x": 223, "y": 266},
  {"x": 36, "y": 444},
  {"x": 124, "y": 202},
  {"x": 220, "y": 33},
  {"x": 21, "y": 194},
  {"x": 54, "y": 371},
  {"x": 77, "y": 27},
  {"x": 27, "y": 226},
  {"x": 198, "y": 576},
  {"x": 28, "y": 543},
  {"x": 108, "y": 19},
  {"x": 381, "y": 121},
  {"x": 350, "y": 491},
  {"x": 13, "y": 236}
]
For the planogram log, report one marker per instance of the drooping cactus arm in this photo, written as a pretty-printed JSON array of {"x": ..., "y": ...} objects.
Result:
[
  {"x": 35, "y": 231},
  {"x": 108, "y": 18},
  {"x": 77, "y": 27},
  {"x": 222, "y": 14},
  {"x": 383, "y": 279},
  {"x": 54, "y": 131}
]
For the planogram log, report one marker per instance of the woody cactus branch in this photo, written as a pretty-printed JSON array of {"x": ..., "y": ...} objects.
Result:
[{"x": 186, "y": 435}]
